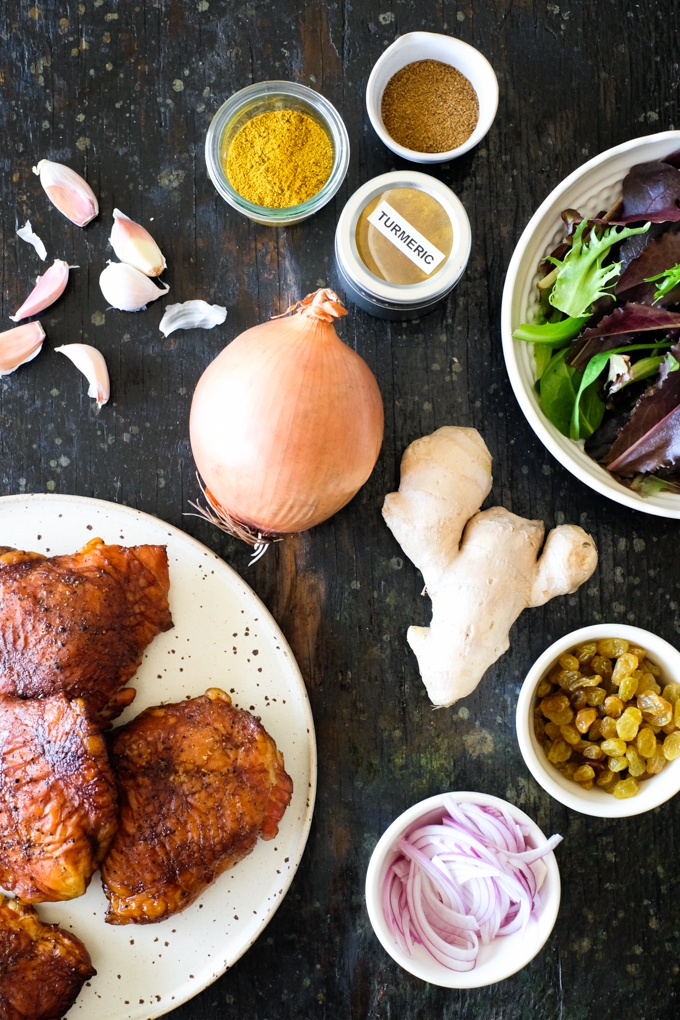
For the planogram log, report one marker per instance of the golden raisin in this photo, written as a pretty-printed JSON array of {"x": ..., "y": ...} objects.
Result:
[
  {"x": 628, "y": 687},
  {"x": 618, "y": 764},
  {"x": 569, "y": 679},
  {"x": 655, "y": 709},
  {"x": 556, "y": 707},
  {"x": 595, "y": 696},
  {"x": 625, "y": 664},
  {"x": 606, "y": 778},
  {"x": 585, "y": 719},
  {"x": 608, "y": 727},
  {"x": 628, "y": 725},
  {"x": 543, "y": 689},
  {"x": 671, "y": 692},
  {"x": 669, "y": 727},
  {"x": 647, "y": 684},
  {"x": 568, "y": 661},
  {"x": 613, "y": 706},
  {"x": 593, "y": 752},
  {"x": 602, "y": 666},
  {"x": 676, "y": 714},
  {"x": 552, "y": 730},
  {"x": 615, "y": 746},
  {"x": 649, "y": 667},
  {"x": 583, "y": 774},
  {"x": 539, "y": 729},
  {"x": 671, "y": 746},
  {"x": 585, "y": 652},
  {"x": 646, "y": 742},
  {"x": 626, "y": 788},
  {"x": 569, "y": 769},
  {"x": 657, "y": 761},
  {"x": 636, "y": 766},
  {"x": 578, "y": 700},
  {"x": 594, "y": 733},
  {"x": 612, "y": 647},
  {"x": 560, "y": 751},
  {"x": 637, "y": 650},
  {"x": 570, "y": 735}
]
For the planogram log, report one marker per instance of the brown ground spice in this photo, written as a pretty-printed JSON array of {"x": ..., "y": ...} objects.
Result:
[{"x": 429, "y": 106}]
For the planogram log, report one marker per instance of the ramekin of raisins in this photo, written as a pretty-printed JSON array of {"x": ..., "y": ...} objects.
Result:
[{"x": 598, "y": 720}]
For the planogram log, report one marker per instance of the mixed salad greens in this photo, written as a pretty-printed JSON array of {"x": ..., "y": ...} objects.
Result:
[{"x": 607, "y": 335}]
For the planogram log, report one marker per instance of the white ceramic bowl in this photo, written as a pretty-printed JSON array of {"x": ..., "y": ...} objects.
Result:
[
  {"x": 502, "y": 957},
  {"x": 594, "y": 186},
  {"x": 596, "y": 802},
  {"x": 432, "y": 46}
]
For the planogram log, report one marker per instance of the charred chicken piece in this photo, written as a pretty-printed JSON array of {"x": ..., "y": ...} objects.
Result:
[
  {"x": 57, "y": 798},
  {"x": 198, "y": 782},
  {"x": 79, "y": 624},
  {"x": 42, "y": 967}
]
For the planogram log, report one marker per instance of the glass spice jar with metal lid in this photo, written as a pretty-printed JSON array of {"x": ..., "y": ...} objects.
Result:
[{"x": 401, "y": 245}]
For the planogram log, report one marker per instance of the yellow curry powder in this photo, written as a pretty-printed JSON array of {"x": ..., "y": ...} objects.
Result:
[{"x": 278, "y": 159}]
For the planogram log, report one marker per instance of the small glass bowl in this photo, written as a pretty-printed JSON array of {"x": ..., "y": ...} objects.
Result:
[{"x": 262, "y": 98}]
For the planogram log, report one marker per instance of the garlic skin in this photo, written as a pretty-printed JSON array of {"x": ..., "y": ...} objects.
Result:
[
  {"x": 19, "y": 345},
  {"x": 67, "y": 190},
  {"x": 91, "y": 363},
  {"x": 134, "y": 244},
  {"x": 26, "y": 233},
  {"x": 125, "y": 288},
  {"x": 47, "y": 289},
  {"x": 195, "y": 314}
]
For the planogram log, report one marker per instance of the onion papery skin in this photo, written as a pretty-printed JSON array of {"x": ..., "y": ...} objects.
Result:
[{"x": 287, "y": 422}]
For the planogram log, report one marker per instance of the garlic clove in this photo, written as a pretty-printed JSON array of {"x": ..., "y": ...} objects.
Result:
[
  {"x": 195, "y": 314},
  {"x": 134, "y": 244},
  {"x": 91, "y": 363},
  {"x": 47, "y": 289},
  {"x": 26, "y": 233},
  {"x": 67, "y": 190},
  {"x": 19, "y": 345},
  {"x": 125, "y": 288}
]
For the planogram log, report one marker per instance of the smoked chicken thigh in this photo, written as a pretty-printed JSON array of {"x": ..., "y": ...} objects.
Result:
[
  {"x": 42, "y": 967},
  {"x": 198, "y": 782},
  {"x": 57, "y": 798},
  {"x": 79, "y": 624}
]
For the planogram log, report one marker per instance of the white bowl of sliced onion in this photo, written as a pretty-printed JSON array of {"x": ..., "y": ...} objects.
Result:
[{"x": 463, "y": 889}]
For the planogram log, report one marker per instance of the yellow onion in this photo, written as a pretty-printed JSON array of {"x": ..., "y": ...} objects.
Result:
[{"x": 286, "y": 423}]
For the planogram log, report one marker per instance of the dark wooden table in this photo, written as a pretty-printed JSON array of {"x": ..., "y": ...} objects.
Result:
[{"x": 124, "y": 92}]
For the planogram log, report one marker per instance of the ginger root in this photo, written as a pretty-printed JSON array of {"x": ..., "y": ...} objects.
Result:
[{"x": 481, "y": 569}]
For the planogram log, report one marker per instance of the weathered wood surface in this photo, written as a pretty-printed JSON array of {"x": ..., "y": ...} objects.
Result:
[{"x": 124, "y": 92}]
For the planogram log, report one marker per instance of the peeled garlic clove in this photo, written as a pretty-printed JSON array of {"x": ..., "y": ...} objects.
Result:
[
  {"x": 19, "y": 345},
  {"x": 46, "y": 291},
  {"x": 124, "y": 287},
  {"x": 135, "y": 245},
  {"x": 192, "y": 315},
  {"x": 68, "y": 191},
  {"x": 91, "y": 363},
  {"x": 26, "y": 233}
]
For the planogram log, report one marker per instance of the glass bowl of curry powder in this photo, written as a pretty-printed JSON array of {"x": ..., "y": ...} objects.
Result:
[{"x": 277, "y": 152}]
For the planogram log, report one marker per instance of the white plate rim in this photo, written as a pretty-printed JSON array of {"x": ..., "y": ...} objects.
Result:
[
  {"x": 256, "y": 603},
  {"x": 596, "y": 478}
]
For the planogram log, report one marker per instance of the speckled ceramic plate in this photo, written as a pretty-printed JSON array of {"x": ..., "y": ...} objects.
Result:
[{"x": 223, "y": 637}]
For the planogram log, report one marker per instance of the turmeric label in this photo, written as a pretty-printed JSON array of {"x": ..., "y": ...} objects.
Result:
[{"x": 278, "y": 159}]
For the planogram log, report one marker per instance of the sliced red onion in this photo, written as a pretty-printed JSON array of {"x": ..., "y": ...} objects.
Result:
[{"x": 463, "y": 881}]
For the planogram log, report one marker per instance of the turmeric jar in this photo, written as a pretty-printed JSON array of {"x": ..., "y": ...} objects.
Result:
[{"x": 402, "y": 244}]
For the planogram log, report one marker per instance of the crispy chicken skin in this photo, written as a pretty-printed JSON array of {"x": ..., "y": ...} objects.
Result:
[
  {"x": 198, "y": 782},
  {"x": 57, "y": 798},
  {"x": 79, "y": 624},
  {"x": 42, "y": 967}
]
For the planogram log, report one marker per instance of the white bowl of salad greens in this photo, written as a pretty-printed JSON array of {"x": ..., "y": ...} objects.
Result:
[{"x": 591, "y": 323}]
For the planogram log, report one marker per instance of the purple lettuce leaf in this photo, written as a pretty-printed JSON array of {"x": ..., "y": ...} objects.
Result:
[
  {"x": 656, "y": 257},
  {"x": 584, "y": 348},
  {"x": 673, "y": 159},
  {"x": 633, "y": 318},
  {"x": 651, "y": 191},
  {"x": 651, "y": 438},
  {"x": 603, "y": 438}
]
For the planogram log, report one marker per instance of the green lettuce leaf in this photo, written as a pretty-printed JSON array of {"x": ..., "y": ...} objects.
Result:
[{"x": 581, "y": 277}]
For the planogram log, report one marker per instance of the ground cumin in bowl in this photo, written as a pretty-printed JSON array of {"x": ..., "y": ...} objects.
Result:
[
  {"x": 431, "y": 97},
  {"x": 277, "y": 152}
]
